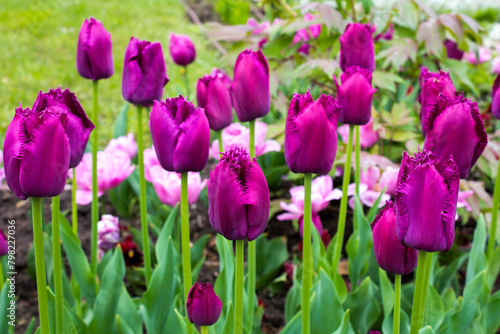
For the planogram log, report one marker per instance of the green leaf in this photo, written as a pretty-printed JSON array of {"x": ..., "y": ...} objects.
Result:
[
  {"x": 364, "y": 306},
  {"x": 5, "y": 304},
  {"x": 446, "y": 274},
  {"x": 31, "y": 327},
  {"x": 404, "y": 323},
  {"x": 229, "y": 323},
  {"x": 326, "y": 309},
  {"x": 434, "y": 309},
  {"x": 386, "y": 80},
  {"x": 122, "y": 326},
  {"x": 492, "y": 313},
  {"x": 493, "y": 268},
  {"x": 271, "y": 254},
  {"x": 345, "y": 327},
  {"x": 161, "y": 247},
  {"x": 477, "y": 259},
  {"x": 426, "y": 330},
  {"x": 387, "y": 292},
  {"x": 197, "y": 257},
  {"x": 68, "y": 326},
  {"x": 293, "y": 301},
  {"x": 224, "y": 283},
  {"x": 176, "y": 323},
  {"x": 449, "y": 298},
  {"x": 120, "y": 128},
  {"x": 127, "y": 311}
]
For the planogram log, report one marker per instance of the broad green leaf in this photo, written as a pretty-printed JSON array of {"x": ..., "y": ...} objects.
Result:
[
  {"x": 386, "y": 80},
  {"x": 434, "y": 309},
  {"x": 491, "y": 313},
  {"x": 122, "y": 326},
  {"x": 477, "y": 259},
  {"x": 127, "y": 311},
  {"x": 31, "y": 327},
  {"x": 197, "y": 257},
  {"x": 8, "y": 308},
  {"x": 229, "y": 324},
  {"x": 426, "y": 330},
  {"x": 445, "y": 274},
  {"x": 68, "y": 326},
  {"x": 223, "y": 286},
  {"x": 293, "y": 301},
  {"x": 271, "y": 254},
  {"x": 387, "y": 292},
  {"x": 449, "y": 299},
  {"x": 120, "y": 128},
  {"x": 493, "y": 267},
  {"x": 326, "y": 309},
  {"x": 176, "y": 323},
  {"x": 364, "y": 306},
  {"x": 404, "y": 323},
  {"x": 345, "y": 327},
  {"x": 161, "y": 247}
]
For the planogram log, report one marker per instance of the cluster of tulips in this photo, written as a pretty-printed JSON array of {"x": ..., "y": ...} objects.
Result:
[{"x": 43, "y": 143}]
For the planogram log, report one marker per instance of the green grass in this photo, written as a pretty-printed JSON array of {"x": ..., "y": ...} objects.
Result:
[{"x": 39, "y": 39}]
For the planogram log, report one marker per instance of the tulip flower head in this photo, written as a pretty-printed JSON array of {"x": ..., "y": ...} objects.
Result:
[
  {"x": 2, "y": 171},
  {"x": 150, "y": 160},
  {"x": 182, "y": 49},
  {"x": 213, "y": 94},
  {"x": 181, "y": 135},
  {"x": 452, "y": 50},
  {"x": 125, "y": 145},
  {"x": 454, "y": 127},
  {"x": 483, "y": 53},
  {"x": 238, "y": 196},
  {"x": 203, "y": 305},
  {"x": 495, "y": 98},
  {"x": 94, "y": 59},
  {"x": 311, "y": 134},
  {"x": 108, "y": 229},
  {"x": 4, "y": 245},
  {"x": 426, "y": 201},
  {"x": 357, "y": 47}
]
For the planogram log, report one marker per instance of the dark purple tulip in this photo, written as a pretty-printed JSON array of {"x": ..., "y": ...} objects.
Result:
[
  {"x": 432, "y": 84},
  {"x": 355, "y": 96},
  {"x": 36, "y": 153},
  {"x": 250, "y": 88},
  {"x": 390, "y": 254},
  {"x": 203, "y": 305},
  {"x": 4, "y": 245},
  {"x": 454, "y": 127},
  {"x": 181, "y": 135},
  {"x": 144, "y": 72},
  {"x": 238, "y": 196},
  {"x": 311, "y": 134},
  {"x": 452, "y": 50},
  {"x": 356, "y": 47},
  {"x": 94, "y": 59},
  {"x": 78, "y": 127},
  {"x": 426, "y": 202},
  {"x": 212, "y": 93},
  {"x": 182, "y": 49},
  {"x": 495, "y": 98}
]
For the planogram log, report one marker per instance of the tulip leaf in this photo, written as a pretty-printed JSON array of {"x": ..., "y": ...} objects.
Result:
[
  {"x": 165, "y": 235},
  {"x": 69, "y": 327},
  {"x": 294, "y": 326},
  {"x": 5, "y": 304},
  {"x": 120, "y": 128},
  {"x": 449, "y": 299},
  {"x": 271, "y": 254},
  {"x": 122, "y": 326},
  {"x": 340, "y": 287},
  {"x": 493, "y": 267},
  {"x": 31, "y": 327},
  {"x": 387, "y": 292},
  {"x": 229, "y": 323},
  {"x": 477, "y": 259},
  {"x": 176, "y": 323},
  {"x": 127, "y": 311},
  {"x": 364, "y": 306},
  {"x": 326, "y": 309},
  {"x": 386, "y": 80},
  {"x": 345, "y": 327},
  {"x": 445, "y": 274},
  {"x": 293, "y": 301},
  {"x": 434, "y": 309},
  {"x": 223, "y": 286},
  {"x": 426, "y": 330},
  {"x": 404, "y": 323},
  {"x": 492, "y": 313}
]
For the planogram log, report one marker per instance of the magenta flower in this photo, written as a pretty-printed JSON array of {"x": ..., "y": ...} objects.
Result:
[
  {"x": 123, "y": 145},
  {"x": 181, "y": 135},
  {"x": 311, "y": 134},
  {"x": 94, "y": 59},
  {"x": 304, "y": 34},
  {"x": 387, "y": 35},
  {"x": 108, "y": 229},
  {"x": 213, "y": 94},
  {"x": 495, "y": 98},
  {"x": 223, "y": 75},
  {"x": 367, "y": 135},
  {"x": 455, "y": 128},
  {"x": 182, "y": 49},
  {"x": 484, "y": 56},
  {"x": 390, "y": 254},
  {"x": 238, "y": 196},
  {"x": 203, "y": 305},
  {"x": 357, "y": 47},
  {"x": 452, "y": 50},
  {"x": 426, "y": 202},
  {"x": 4, "y": 245}
]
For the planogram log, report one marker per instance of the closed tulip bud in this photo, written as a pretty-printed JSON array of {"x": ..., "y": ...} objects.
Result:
[
  {"x": 36, "y": 153},
  {"x": 454, "y": 127},
  {"x": 94, "y": 59},
  {"x": 250, "y": 88},
  {"x": 495, "y": 98},
  {"x": 238, "y": 196},
  {"x": 355, "y": 96},
  {"x": 432, "y": 85},
  {"x": 212, "y": 94},
  {"x": 426, "y": 202},
  {"x": 78, "y": 126},
  {"x": 452, "y": 50},
  {"x": 182, "y": 49},
  {"x": 203, "y": 305},
  {"x": 181, "y": 135},
  {"x": 144, "y": 72},
  {"x": 357, "y": 47},
  {"x": 390, "y": 254},
  {"x": 311, "y": 134}
]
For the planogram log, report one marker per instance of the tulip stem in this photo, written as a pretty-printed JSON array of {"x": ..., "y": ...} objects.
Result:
[
  {"x": 143, "y": 201},
  {"x": 307, "y": 260},
  {"x": 397, "y": 304},
  {"x": 353, "y": 10},
  {"x": 221, "y": 143},
  {"x": 417, "y": 313},
  {"x": 252, "y": 257},
  {"x": 358, "y": 170},
  {"x": 494, "y": 216},
  {"x": 238, "y": 294},
  {"x": 74, "y": 207},
  {"x": 56, "y": 250},
  {"x": 186, "y": 252},
  {"x": 186, "y": 82},
  {"x": 95, "y": 199},
  {"x": 41, "y": 282},
  {"x": 204, "y": 330},
  {"x": 339, "y": 237}
]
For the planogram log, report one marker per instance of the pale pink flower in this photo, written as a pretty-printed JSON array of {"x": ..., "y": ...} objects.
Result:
[
  {"x": 257, "y": 28},
  {"x": 462, "y": 201},
  {"x": 484, "y": 55},
  {"x": 150, "y": 160},
  {"x": 495, "y": 65},
  {"x": 367, "y": 135},
  {"x": 108, "y": 230},
  {"x": 123, "y": 145},
  {"x": 389, "y": 180}
]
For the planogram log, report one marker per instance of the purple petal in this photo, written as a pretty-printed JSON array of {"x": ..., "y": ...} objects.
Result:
[{"x": 258, "y": 200}]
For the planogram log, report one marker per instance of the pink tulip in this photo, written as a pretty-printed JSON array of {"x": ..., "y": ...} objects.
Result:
[
  {"x": 150, "y": 160},
  {"x": 123, "y": 145},
  {"x": 389, "y": 180},
  {"x": 484, "y": 55},
  {"x": 108, "y": 229},
  {"x": 367, "y": 135},
  {"x": 495, "y": 65},
  {"x": 462, "y": 201}
]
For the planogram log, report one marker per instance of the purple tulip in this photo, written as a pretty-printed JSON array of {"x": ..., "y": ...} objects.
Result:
[
  {"x": 454, "y": 127},
  {"x": 250, "y": 88},
  {"x": 212, "y": 94},
  {"x": 94, "y": 59},
  {"x": 432, "y": 84},
  {"x": 182, "y": 49},
  {"x": 357, "y": 47},
  {"x": 311, "y": 134},
  {"x": 181, "y": 135},
  {"x": 452, "y": 50},
  {"x": 238, "y": 196},
  {"x": 4, "y": 245},
  {"x": 223, "y": 75},
  {"x": 78, "y": 126},
  {"x": 426, "y": 202},
  {"x": 390, "y": 254},
  {"x": 203, "y": 305},
  {"x": 495, "y": 98},
  {"x": 355, "y": 96},
  {"x": 36, "y": 153},
  {"x": 144, "y": 72}
]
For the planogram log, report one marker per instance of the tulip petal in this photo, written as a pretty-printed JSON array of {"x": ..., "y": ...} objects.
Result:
[
  {"x": 164, "y": 134},
  {"x": 258, "y": 208},
  {"x": 12, "y": 151}
]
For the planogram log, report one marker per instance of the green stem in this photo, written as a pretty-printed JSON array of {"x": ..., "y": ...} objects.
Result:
[
  {"x": 41, "y": 283},
  {"x": 251, "y": 145},
  {"x": 358, "y": 170},
  {"x": 252, "y": 258},
  {"x": 397, "y": 304},
  {"x": 307, "y": 260},
  {"x": 417, "y": 313},
  {"x": 494, "y": 216},
  {"x": 186, "y": 252},
  {"x": 56, "y": 250},
  {"x": 238, "y": 294},
  {"x": 339, "y": 237},
  {"x": 186, "y": 82},
  {"x": 2, "y": 277},
  {"x": 221, "y": 143},
  {"x": 95, "y": 199},
  {"x": 74, "y": 207},
  {"x": 204, "y": 330}
]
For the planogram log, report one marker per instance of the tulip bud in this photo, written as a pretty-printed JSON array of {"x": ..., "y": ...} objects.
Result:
[
  {"x": 78, "y": 127},
  {"x": 311, "y": 134},
  {"x": 454, "y": 127},
  {"x": 426, "y": 202},
  {"x": 432, "y": 85},
  {"x": 181, "y": 135},
  {"x": 4, "y": 246},
  {"x": 238, "y": 196},
  {"x": 357, "y": 47},
  {"x": 94, "y": 59},
  {"x": 452, "y": 50},
  {"x": 355, "y": 96},
  {"x": 250, "y": 88},
  {"x": 182, "y": 49},
  {"x": 212, "y": 94},
  {"x": 389, "y": 253},
  {"x": 144, "y": 72},
  {"x": 495, "y": 98},
  {"x": 203, "y": 305}
]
